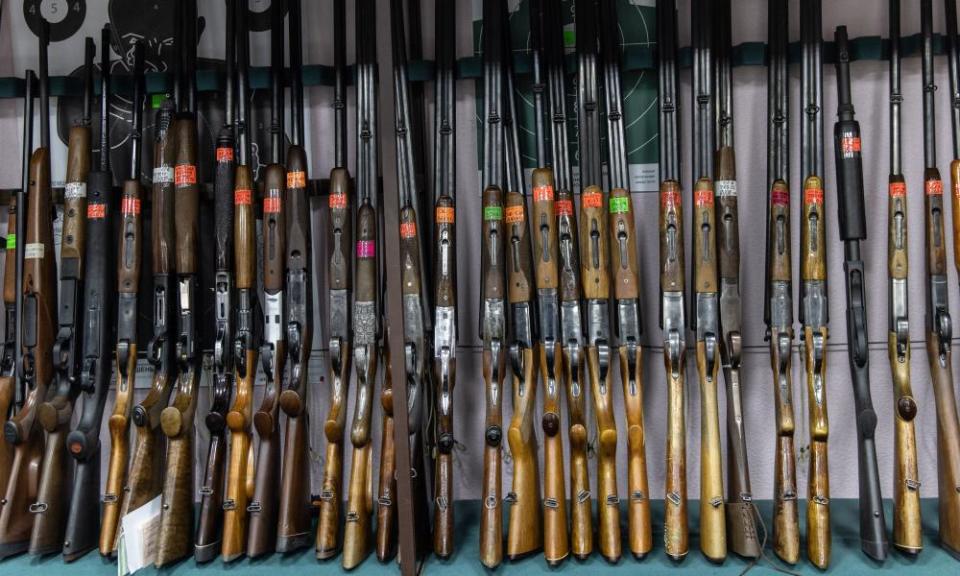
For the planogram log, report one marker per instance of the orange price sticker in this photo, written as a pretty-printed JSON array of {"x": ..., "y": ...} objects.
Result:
[
  {"x": 703, "y": 198},
  {"x": 225, "y": 154},
  {"x": 514, "y": 214},
  {"x": 446, "y": 215},
  {"x": 96, "y": 211},
  {"x": 543, "y": 194},
  {"x": 271, "y": 204},
  {"x": 850, "y": 146},
  {"x": 592, "y": 200},
  {"x": 243, "y": 197},
  {"x": 185, "y": 175},
  {"x": 337, "y": 201},
  {"x": 813, "y": 196},
  {"x": 563, "y": 208},
  {"x": 408, "y": 230},
  {"x": 669, "y": 198},
  {"x": 898, "y": 189},
  {"x": 130, "y": 206},
  {"x": 297, "y": 179},
  {"x": 933, "y": 187}
]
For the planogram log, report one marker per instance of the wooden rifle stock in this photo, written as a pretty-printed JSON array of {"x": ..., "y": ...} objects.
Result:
[
  {"x": 273, "y": 355},
  {"x": 387, "y": 484},
  {"x": 340, "y": 240}
]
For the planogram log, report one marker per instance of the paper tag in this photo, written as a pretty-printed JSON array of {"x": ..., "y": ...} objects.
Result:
[
  {"x": 726, "y": 188},
  {"x": 897, "y": 189},
  {"x": 445, "y": 215},
  {"x": 813, "y": 196},
  {"x": 337, "y": 201},
  {"x": 130, "y": 206},
  {"x": 33, "y": 251},
  {"x": 243, "y": 197},
  {"x": 163, "y": 175},
  {"x": 225, "y": 154},
  {"x": 619, "y": 204},
  {"x": 74, "y": 190},
  {"x": 297, "y": 179},
  {"x": 670, "y": 198},
  {"x": 703, "y": 197},
  {"x": 366, "y": 249},
  {"x": 492, "y": 213},
  {"x": 408, "y": 230},
  {"x": 849, "y": 145},
  {"x": 563, "y": 208},
  {"x": 11, "y": 241},
  {"x": 185, "y": 175},
  {"x": 592, "y": 200},
  {"x": 780, "y": 197},
  {"x": 514, "y": 215},
  {"x": 933, "y": 187},
  {"x": 543, "y": 194},
  {"x": 95, "y": 211},
  {"x": 271, "y": 204},
  {"x": 141, "y": 535}
]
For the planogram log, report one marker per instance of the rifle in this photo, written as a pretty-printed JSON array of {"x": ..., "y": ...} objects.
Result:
[
  {"x": 741, "y": 519},
  {"x": 594, "y": 256},
  {"x": 778, "y": 296},
  {"x": 571, "y": 332},
  {"x": 813, "y": 289},
  {"x": 416, "y": 352},
  {"x": 624, "y": 265},
  {"x": 340, "y": 241},
  {"x": 939, "y": 327},
  {"x": 853, "y": 229},
  {"x": 293, "y": 531},
  {"x": 706, "y": 316},
  {"x": 246, "y": 342},
  {"x": 273, "y": 352},
  {"x": 55, "y": 412},
  {"x": 556, "y": 545},
  {"x": 445, "y": 276},
  {"x": 177, "y": 420},
  {"x": 8, "y": 363},
  {"x": 16, "y": 520},
  {"x": 98, "y": 324},
  {"x": 128, "y": 287},
  {"x": 492, "y": 274},
  {"x": 210, "y": 525},
  {"x": 672, "y": 300},
  {"x": 366, "y": 316},
  {"x": 525, "y": 530},
  {"x": 906, "y": 480}
]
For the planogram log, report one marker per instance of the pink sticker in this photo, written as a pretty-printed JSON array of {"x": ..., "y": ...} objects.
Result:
[{"x": 366, "y": 249}]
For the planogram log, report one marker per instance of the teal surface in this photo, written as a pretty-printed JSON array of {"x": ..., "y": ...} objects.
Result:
[{"x": 847, "y": 559}]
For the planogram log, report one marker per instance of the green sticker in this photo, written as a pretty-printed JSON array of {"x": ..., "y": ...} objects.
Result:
[
  {"x": 492, "y": 213},
  {"x": 619, "y": 205},
  {"x": 156, "y": 100},
  {"x": 11, "y": 241}
]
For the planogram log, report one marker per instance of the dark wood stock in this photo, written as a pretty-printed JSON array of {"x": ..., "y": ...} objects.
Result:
[
  {"x": 519, "y": 277},
  {"x": 594, "y": 245},
  {"x": 387, "y": 485},
  {"x": 187, "y": 196},
  {"x": 728, "y": 232}
]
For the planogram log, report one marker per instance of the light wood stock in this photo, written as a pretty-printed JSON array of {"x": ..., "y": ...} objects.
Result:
[
  {"x": 676, "y": 537},
  {"x": 608, "y": 500},
  {"x": 491, "y": 514},
  {"x": 556, "y": 545},
  {"x": 948, "y": 445},
  {"x": 581, "y": 513},
  {"x": 818, "y": 487},
  {"x": 786, "y": 529},
  {"x": 955, "y": 206},
  {"x": 713, "y": 541},
  {"x": 525, "y": 534},
  {"x": 176, "y": 519},
  {"x": 328, "y": 523},
  {"x": 119, "y": 425},
  {"x": 239, "y": 475}
]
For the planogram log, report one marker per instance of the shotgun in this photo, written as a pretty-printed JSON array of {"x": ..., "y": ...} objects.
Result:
[
  {"x": 741, "y": 520},
  {"x": 8, "y": 363},
  {"x": 493, "y": 279},
  {"x": 98, "y": 322},
  {"x": 339, "y": 269},
  {"x": 262, "y": 509},
  {"x": 445, "y": 276},
  {"x": 21, "y": 430},
  {"x": 571, "y": 332},
  {"x": 706, "y": 316},
  {"x": 416, "y": 353},
  {"x": 778, "y": 294},
  {"x": 676, "y": 537},
  {"x": 246, "y": 342},
  {"x": 127, "y": 288},
  {"x": 813, "y": 274},
  {"x": 556, "y": 544},
  {"x": 626, "y": 288},
  {"x": 293, "y": 529},
  {"x": 55, "y": 413},
  {"x": 525, "y": 530},
  {"x": 939, "y": 327},
  {"x": 594, "y": 257},
  {"x": 210, "y": 525},
  {"x": 177, "y": 420},
  {"x": 853, "y": 229},
  {"x": 366, "y": 315},
  {"x": 906, "y": 479}
]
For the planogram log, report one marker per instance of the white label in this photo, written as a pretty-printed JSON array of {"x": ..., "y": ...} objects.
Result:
[
  {"x": 33, "y": 251},
  {"x": 74, "y": 190},
  {"x": 140, "y": 531},
  {"x": 163, "y": 175},
  {"x": 726, "y": 188}
]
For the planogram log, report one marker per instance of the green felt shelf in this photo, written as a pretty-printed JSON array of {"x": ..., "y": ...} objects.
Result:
[
  {"x": 634, "y": 58},
  {"x": 847, "y": 558}
]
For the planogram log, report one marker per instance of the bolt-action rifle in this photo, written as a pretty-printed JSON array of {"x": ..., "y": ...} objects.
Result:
[
  {"x": 672, "y": 301},
  {"x": 366, "y": 314},
  {"x": 210, "y": 525},
  {"x": 339, "y": 276},
  {"x": 56, "y": 411},
  {"x": 493, "y": 283},
  {"x": 98, "y": 323},
  {"x": 939, "y": 326},
  {"x": 177, "y": 420},
  {"x": 741, "y": 519}
]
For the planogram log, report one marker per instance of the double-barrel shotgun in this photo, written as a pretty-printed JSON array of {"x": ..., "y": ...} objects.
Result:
[
  {"x": 939, "y": 326},
  {"x": 56, "y": 411}
]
